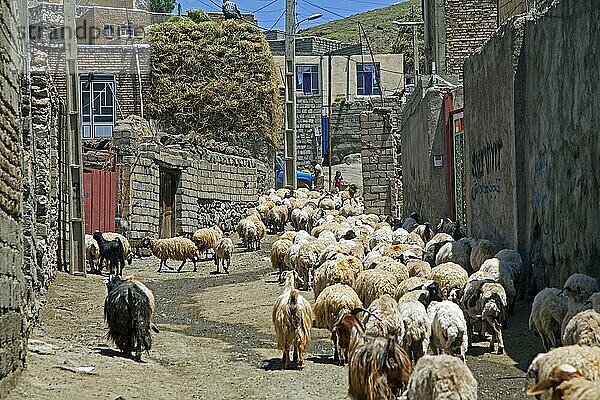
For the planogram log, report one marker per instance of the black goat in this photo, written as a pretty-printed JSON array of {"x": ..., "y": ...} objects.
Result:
[
  {"x": 113, "y": 251},
  {"x": 452, "y": 228},
  {"x": 128, "y": 310}
]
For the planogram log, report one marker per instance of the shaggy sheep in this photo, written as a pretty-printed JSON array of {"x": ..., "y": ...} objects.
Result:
[
  {"x": 92, "y": 253},
  {"x": 398, "y": 251},
  {"x": 292, "y": 318},
  {"x": 382, "y": 236},
  {"x": 111, "y": 250},
  {"x": 501, "y": 273},
  {"x": 448, "y": 328},
  {"x": 399, "y": 236},
  {"x": 177, "y": 248},
  {"x": 371, "y": 284},
  {"x": 441, "y": 377},
  {"x": 276, "y": 219},
  {"x": 567, "y": 383},
  {"x": 408, "y": 285},
  {"x": 483, "y": 250},
  {"x": 331, "y": 272},
  {"x": 547, "y": 312},
  {"x": 416, "y": 329},
  {"x": 433, "y": 247},
  {"x": 424, "y": 232},
  {"x": 331, "y": 301},
  {"x": 251, "y": 236},
  {"x": 579, "y": 288},
  {"x": 418, "y": 268},
  {"x": 415, "y": 240},
  {"x": 128, "y": 310},
  {"x": 382, "y": 318},
  {"x": 584, "y": 358},
  {"x": 223, "y": 251},
  {"x": 453, "y": 229},
  {"x": 288, "y": 235},
  {"x": 279, "y": 249},
  {"x": 206, "y": 239},
  {"x": 127, "y": 250},
  {"x": 449, "y": 276},
  {"x": 458, "y": 252},
  {"x": 307, "y": 260},
  {"x": 583, "y": 329}
]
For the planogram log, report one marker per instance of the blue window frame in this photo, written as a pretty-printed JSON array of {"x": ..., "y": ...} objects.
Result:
[
  {"x": 307, "y": 79},
  {"x": 367, "y": 78}
]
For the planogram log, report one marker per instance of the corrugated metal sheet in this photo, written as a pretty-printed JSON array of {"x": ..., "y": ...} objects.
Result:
[{"x": 99, "y": 191}]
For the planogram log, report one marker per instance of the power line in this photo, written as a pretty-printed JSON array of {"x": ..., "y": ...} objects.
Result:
[
  {"x": 276, "y": 22},
  {"x": 324, "y": 9},
  {"x": 263, "y": 7}
]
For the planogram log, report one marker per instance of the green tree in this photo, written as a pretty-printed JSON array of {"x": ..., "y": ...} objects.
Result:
[{"x": 161, "y": 6}]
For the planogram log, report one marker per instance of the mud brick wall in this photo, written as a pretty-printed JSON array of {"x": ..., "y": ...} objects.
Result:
[{"x": 381, "y": 184}]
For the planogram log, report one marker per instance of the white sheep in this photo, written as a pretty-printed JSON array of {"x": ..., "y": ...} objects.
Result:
[
  {"x": 331, "y": 272},
  {"x": 483, "y": 250},
  {"x": 458, "y": 252},
  {"x": 583, "y": 329},
  {"x": 579, "y": 288},
  {"x": 331, "y": 301},
  {"x": 279, "y": 250},
  {"x": 292, "y": 318},
  {"x": 383, "y": 318},
  {"x": 547, "y": 312},
  {"x": 501, "y": 273},
  {"x": 416, "y": 329},
  {"x": 418, "y": 268},
  {"x": 223, "y": 251},
  {"x": 92, "y": 252},
  {"x": 441, "y": 377},
  {"x": 371, "y": 284},
  {"x": 567, "y": 383},
  {"x": 177, "y": 248},
  {"x": 408, "y": 285},
  {"x": 381, "y": 236},
  {"x": 448, "y": 328},
  {"x": 399, "y": 236},
  {"x": 206, "y": 239},
  {"x": 449, "y": 276}
]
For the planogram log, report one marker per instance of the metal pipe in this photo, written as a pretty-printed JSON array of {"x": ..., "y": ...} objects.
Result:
[{"x": 330, "y": 144}]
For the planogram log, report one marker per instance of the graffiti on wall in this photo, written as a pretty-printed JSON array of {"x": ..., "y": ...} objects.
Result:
[
  {"x": 540, "y": 195},
  {"x": 479, "y": 189},
  {"x": 486, "y": 160}
]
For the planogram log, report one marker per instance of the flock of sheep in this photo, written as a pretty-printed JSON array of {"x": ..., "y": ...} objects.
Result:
[{"x": 403, "y": 303}]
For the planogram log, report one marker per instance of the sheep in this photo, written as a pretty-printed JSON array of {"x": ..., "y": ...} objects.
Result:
[
  {"x": 128, "y": 310},
  {"x": 331, "y": 272},
  {"x": 127, "y": 250},
  {"x": 585, "y": 359},
  {"x": 418, "y": 268},
  {"x": 453, "y": 229},
  {"x": 92, "y": 253},
  {"x": 411, "y": 222},
  {"x": 399, "y": 236},
  {"x": 251, "y": 236},
  {"x": 308, "y": 257},
  {"x": 279, "y": 250},
  {"x": 380, "y": 237},
  {"x": 547, "y": 312},
  {"x": 383, "y": 318},
  {"x": 346, "y": 331},
  {"x": 223, "y": 251},
  {"x": 111, "y": 250},
  {"x": 289, "y": 235},
  {"x": 206, "y": 239},
  {"x": 331, "y": 301},
  {"x": 578, "y": 287},
  {"x": 378, "y": 369},
  {"x": 449, "y": 276},
  {"x": 458, "y": 252},
  {"x": 483, "y": 250},
  {"x": 583, "y": 329},
  {"x": 292, "y": 318},
  {"x": 567, "y": 383},
  {"x": 371, "y": 284},
  {"x": 177, "y": 248},
  {"x": 448, "y": 328},
  {"x": 300, "y": 219},
  {"x": 485, "y": 300},
  {"x": 397, "y": 251},
  {"x": 416, "y": 329},
  {"x": 415, "y": 240},
  {"x": 424, "y": 232},
  {"x": 276, "y": 219},
  {"x": 501, "y": 273},
  {"x": 408, "y": 285},
  {"x": 433, "y": 247},
  {"x": 441, "y": 377},
  {"x": 426, "y": 293}
]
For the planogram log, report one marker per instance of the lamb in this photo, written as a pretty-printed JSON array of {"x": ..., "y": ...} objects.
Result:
[
  {"x": 416, "y": 329},
  {"x": 371, "y": 284},
  {"x": 223, "y": 251},
  {"x": 584, "y": 358},
  {"x": 547, "y": 312},
  {"x": 501, "y": 273},
  {"x": 579, "y": 288},
  {"x": 448, "y": 328},
  {"x": 567, "y": 383},
  {"x": 279, "y": 250},
  {"x": 177, "y": 248},
  {"x": 441, "y": 377},
  {"x": 458, "y": 252},
  {"x": 378, "y": 369},
  {"x": 583, "y": 329},
  {"x": 346, "y": 331},
  {"x": 92, "y": 253},
  {"x": 449, "y": 276},
  {"x": 383, "y": 318},
  {"x": 453, "y": 229},
  {"x": 206, "y": 239},
  {"x": 128, "y": 310},
  {"x": 111, "y": 250},
  {"x": 292, "y": 318},
  {"x": 483, "y": 250},
  {"x": 331, "y": 272}
]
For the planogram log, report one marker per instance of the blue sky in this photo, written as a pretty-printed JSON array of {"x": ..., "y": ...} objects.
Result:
[{"x": 273, "y": 9}]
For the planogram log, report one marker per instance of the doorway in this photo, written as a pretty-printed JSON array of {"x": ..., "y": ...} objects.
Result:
[{"x": 168, "y": 188}]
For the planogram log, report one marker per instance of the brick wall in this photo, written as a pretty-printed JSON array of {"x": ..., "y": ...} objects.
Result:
[
  {"x": 12, "y": 280},
  {"x": 381, "y": 186}
]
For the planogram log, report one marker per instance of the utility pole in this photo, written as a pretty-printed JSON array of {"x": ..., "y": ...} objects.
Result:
[
  {"x": 289, "y": 138},
  {"x": 73, "y": 146},
  {"x": 415, "y": 47}
]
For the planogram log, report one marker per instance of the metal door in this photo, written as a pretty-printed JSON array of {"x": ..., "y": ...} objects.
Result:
[
  {"x": 168, "y": 187},
  {"x": 97, "y": 105},
  {"x": 458, "y": 141},
  {"x": 99, "y": 194}
]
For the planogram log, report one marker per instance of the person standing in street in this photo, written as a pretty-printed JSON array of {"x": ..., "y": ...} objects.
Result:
[
  {"x": 230, "y": 10},
  {"x": 338, "y": 181}
]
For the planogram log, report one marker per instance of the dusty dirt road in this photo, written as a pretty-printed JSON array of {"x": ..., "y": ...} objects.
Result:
[{"x": 216, "y": 342}]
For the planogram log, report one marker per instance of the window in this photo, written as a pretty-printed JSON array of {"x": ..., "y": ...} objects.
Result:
[
  {"x": 307, "y": 79},
  {"x": 367, "y": 78},
  {"x": 98, "y": 100},
  {"x": 109, "y": 31},
  {"x": 123, "y": 30},
  {"x": 127, "y": 30},
  {"x": 57, "y": 35}
]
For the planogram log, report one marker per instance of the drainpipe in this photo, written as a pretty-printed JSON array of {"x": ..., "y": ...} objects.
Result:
[
  {"x": 426, "y": 39},
  {"x": 139, "y": 76}
]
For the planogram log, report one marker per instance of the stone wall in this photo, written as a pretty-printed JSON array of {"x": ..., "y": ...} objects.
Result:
[
  {"x": 308, "y": 120},
  {"x": 423, "y": 129},
  {"x": 210, "y": 186},
  {"x": 381, "y": 183},
  {"x": 534, "y": 130}
]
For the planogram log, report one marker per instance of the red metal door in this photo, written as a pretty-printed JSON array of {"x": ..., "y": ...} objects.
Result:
[{"x": 99, "y": 191}]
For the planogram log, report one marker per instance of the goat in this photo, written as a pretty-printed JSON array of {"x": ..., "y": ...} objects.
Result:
[{"x": 112, "y": 250}]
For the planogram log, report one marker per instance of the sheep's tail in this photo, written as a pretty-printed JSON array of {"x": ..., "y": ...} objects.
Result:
[
  {"x": 140, "y": 316},
  {"x": 293, "y": 304}
]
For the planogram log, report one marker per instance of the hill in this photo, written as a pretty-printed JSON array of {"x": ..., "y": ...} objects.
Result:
[{"x": 384, "y": 36}]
